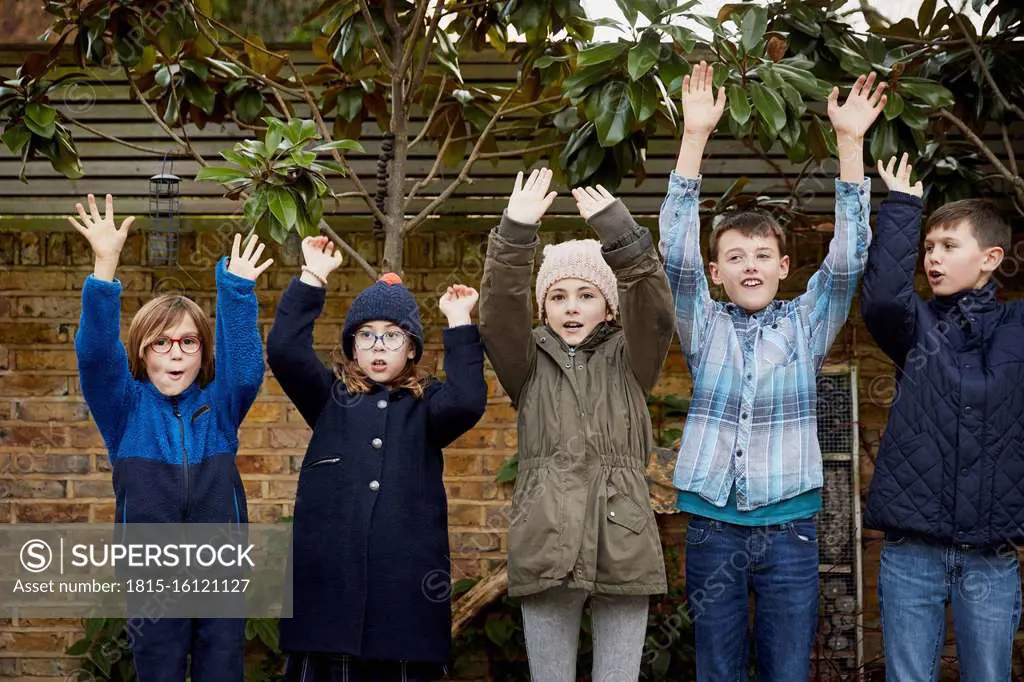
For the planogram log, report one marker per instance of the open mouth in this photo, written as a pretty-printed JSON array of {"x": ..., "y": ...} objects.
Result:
[
  {"x": 176, "y": 374},
  {"x": 572, "y": 326},
  {"x": 935, "y": 275},
  {"x": 379, "y": 365},
  {"x": 751, "y": 283}
]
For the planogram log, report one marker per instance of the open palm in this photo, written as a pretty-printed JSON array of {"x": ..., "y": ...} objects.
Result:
[
  {"x": 105, "y": 238},
  {"x": 861, "y": 108}
]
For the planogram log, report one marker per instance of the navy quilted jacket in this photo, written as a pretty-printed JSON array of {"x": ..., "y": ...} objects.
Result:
[{"x": 951, "y": 462}]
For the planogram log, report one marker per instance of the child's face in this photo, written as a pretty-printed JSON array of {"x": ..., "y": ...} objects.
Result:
[
  {"x": 573, "y": 308},
  {"x": 382, "y": 359},
  {"x": 174, "y": 370},
  {"x": 750, "y": 269},
  {"x": 954, "y": 261}
]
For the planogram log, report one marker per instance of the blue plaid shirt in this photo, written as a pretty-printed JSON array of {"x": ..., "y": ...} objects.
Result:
[{"x": 752, "y": 418}]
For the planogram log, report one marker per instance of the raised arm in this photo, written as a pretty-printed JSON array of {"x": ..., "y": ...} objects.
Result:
[
  {"x": 296, "y": 366},
  {"x": 506, "y": 314},
  {"x": 679, "y": 220},
  {"x": 102, "y": 360},
  {"x": 830, "y": 290},
  {"x": 457, "y": 404},
  {"x": 239, "y": 346},
  {"x": 646, "y": 311},
  {"x": 888, "y": 299}
]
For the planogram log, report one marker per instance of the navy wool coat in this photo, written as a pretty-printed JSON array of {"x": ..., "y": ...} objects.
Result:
[{"x": 370, "y": 556}]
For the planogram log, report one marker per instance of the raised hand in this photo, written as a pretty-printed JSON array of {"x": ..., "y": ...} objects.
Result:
[
  {"x": 590, "y": 200},
  {"x": 321, "y": 259},
  {"x": 701, "y": 111},
  {"x": 899, "y": 181},
  {"x": 531, "y": 199},
  {"x": 861, "y": 108},
  {"x": 105, "y": 238},
  {"x": 245, "y": 265},
  {"x": 457, "y": 304}
]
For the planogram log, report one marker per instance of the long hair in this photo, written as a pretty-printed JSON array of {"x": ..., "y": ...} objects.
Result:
[
  {"x": 160, "y": 314},
  {"x": 355, "y": 379}
]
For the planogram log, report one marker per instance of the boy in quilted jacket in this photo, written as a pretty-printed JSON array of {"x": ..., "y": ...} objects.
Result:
[
  {"x": 750, "y": 469},
  {"x": 947, "y": 485}
]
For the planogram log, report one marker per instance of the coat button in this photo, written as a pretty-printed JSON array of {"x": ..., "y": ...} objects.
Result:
[
  {"x": 611, "y": 515},
  {"x": 568, "y": 365},
  {"x": 381, "y": 404},
  {"x": 579, "y": 366},
  {"x": 376, "y": 443},
  {"x": 967, "y": 410},
  {"x": 374, "y": 486},
  {"x": 739, "y": 453}
]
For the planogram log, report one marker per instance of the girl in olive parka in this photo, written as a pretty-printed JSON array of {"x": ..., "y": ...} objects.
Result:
[{"x": 581, "y": 525}]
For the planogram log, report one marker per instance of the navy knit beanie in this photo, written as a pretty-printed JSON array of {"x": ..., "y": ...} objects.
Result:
[{"x": 387, "y": 299}]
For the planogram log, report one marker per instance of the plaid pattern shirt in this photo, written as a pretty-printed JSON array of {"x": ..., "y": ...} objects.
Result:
[{"x": 752, "y": 418}]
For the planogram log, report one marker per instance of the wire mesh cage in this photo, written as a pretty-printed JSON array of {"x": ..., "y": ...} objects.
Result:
[
  {"x": 164, "y": 217},
  {"x": 839, "y": 550}
]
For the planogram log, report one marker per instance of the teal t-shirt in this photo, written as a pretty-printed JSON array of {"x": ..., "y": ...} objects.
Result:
[{"x": 799, "y": 507}]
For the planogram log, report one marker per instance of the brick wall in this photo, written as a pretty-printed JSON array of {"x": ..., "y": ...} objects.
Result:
[{"x": 53, "y": 460}]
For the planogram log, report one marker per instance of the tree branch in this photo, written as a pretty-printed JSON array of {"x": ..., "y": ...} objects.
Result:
[
  {"x": 413, "y": 32},
  {"x": 776, "y": 167},
  {"x": 368, "y": 17},
  {"x": 1009, "y": 150},
  {"x": 160, "y": 121},
  {"x": 326, "y": 134},
  {"x": 466, "y": 167},
  {"x": 353, "y": 254},
  {"x": 421, "y": 68},
  {"x": 430, "y": 115},
  {"x": 433, "y": 169},
  {"x": 518, "y": 152},
  {"x": 111, "y": 138},
  {"x": 1012, "y": 178},
  {"x": 980, "y": 58}
]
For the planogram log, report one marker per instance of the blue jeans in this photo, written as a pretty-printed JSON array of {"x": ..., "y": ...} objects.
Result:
[
  {"x": 725, "y": 563},
  {"x": 918, "y": 578}
]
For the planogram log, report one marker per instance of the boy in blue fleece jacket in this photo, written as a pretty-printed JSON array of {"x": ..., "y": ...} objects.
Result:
[
  {"x": 947, "y": 488},
  {"x": 170, "y": 425}
]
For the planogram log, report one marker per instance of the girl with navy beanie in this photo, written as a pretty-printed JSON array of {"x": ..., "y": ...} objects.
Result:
[
  {"x": 370, "y": 565},
  {"x": 170, "y": 423}
]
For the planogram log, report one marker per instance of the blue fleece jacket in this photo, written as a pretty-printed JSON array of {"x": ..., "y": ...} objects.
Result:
[{"x": 173, "y": 458}]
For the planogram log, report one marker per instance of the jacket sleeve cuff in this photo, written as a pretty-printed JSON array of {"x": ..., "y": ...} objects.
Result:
[
  {"x": 629, "y": 254},
  {"x": 904, "y": 198},
  {"x": 515, "y": 232},
  {"x": 614, "y": 225}
]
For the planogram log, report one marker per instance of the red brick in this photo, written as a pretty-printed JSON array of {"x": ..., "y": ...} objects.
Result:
[
  {"x": 288, "y": 437},
  {"x": 52, "y": 512},
  {"x": 53, "y": 667},
  {"x": 57, "y": 249},
  {"x": 93, "y": 488},
  {"x": 55, "y": 307},
  {"x": 73, "y": 410},
  {"x": 470, "y": 544},
  {"x": 29, "y": 360},
  {"x": 43, "y": 642},
  {"x": 462, "y": 465},
  {"x": 34, "y": 489},
  {"x": 31, "y": 249},
  {"x": 19, "y": 332},
  {"x": 44, "y": 463},
  {"x": 5, "y": 511},
  {"x": 465, "y": 515},
  {"x": 250, "y": 437},
  {"x": 32, "y": 280},
  {"x": 40, "y": 439},
  {"x": 480, "y": 438},
  {"x": 263, "y": 464},
  {"x": 24, "y": 384},
  {"x": 283, "y": 489},
  {"x": 253, "y": 489},
  {"x": 102, "y": 512},
  {"x": 85, "y": 437},
  {"x": 265, "y": 513}
]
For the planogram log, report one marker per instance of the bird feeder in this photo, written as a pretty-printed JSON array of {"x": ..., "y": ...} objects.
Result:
[{"x": 164, "y": 217}]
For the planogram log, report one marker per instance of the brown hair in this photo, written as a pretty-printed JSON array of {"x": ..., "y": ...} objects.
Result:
[
  {"x": 749, "y": 224},
  {"x": 983, "y": 217},
  {"x": 156, "y": 316},
  {"x": 348, "y": 371}
]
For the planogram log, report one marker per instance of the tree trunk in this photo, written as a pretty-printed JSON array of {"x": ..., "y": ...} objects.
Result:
[{"x": 393, "y": 242}]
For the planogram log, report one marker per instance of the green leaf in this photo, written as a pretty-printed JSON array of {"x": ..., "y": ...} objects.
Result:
[
  {"x": 753, "y": 26},
  {"x": 769, "y": 77},
  {"x": 273, "y": 139},
  {"x": 680, "y": 35},
  {"x": 914, "y": 117},
  {"x": 925, "y": 13},
  {"x": 508, "y": 471},
  {"x": 739, "y": 105},
  {"x": 600, "y": 53},
  {"x": 79, "y": 648},
  {"x": 302, "y": 158},
  {"x": 197, "y": 67},
  {"x": 793, "y": 99},
  {"x": 802, "y": 79},
  {"x": 499, "y": 630},
  {"x": 884, "y": 141},
  {"x": 818, "y": 141},
  {"x": 344, "y": 145},
  {"x": 547, "y": 60},
  {"x": 611, "y": 112},
  {"x": 255, "y": 208},
  {"x": 15, "y": 137},
  {"x": 928, "y": 91},
  {"x": 201, "y": 95},
  {"x": 769, "y": 106},
  {"x": 249, "y": 105},
  {"x": 643, "y": 55},
  {"x": 220, "y": 174},
  {"x": 643, "y": 97},
  {"x": 678, "y": 9},
  {"x": 893, "y": 106},
  {"x": 322, "y": 165},
  {"x": 629, "y": 10},
  {"x": 40, "y": 119},
  {"x": 350, "y": 103},
  {"x": 281, "y": 203},
  {"x": 566, "y": 120}
]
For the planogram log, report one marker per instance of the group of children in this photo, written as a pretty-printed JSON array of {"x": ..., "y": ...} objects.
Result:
[{"x": 370, "y": 525}]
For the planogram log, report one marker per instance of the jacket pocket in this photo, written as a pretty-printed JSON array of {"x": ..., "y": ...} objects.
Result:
[
  {"x": 623, "y": 511},
  {"x": 323, "y": 461}
]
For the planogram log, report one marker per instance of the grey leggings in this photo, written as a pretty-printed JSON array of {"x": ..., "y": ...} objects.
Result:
[{"x": 551, "y": 621}]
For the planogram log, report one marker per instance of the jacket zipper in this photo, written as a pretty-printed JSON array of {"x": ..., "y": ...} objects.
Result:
[
  {"x": 328, "y": 460},
  {"x": 184, "y": 458},
  {"x": 572, "y": 352}
]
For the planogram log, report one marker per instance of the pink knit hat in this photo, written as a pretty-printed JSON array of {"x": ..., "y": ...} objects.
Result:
[{"x": 577, "y": 259}]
